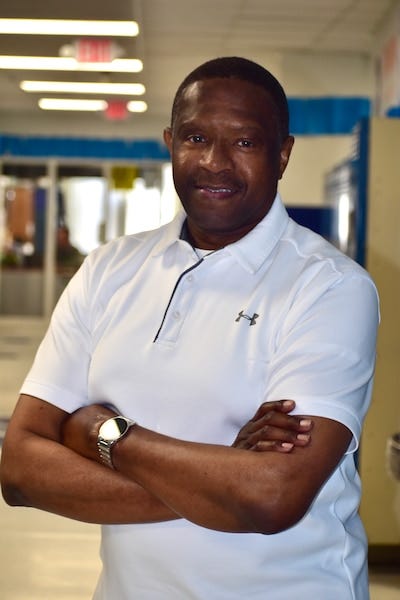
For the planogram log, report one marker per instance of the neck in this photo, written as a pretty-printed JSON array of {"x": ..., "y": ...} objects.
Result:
[{"x": 211, "y": 240}]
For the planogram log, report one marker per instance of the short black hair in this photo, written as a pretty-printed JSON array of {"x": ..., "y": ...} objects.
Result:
[{"x": 234, "y": 67}]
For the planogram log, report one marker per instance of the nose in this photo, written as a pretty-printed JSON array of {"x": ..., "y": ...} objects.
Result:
[{"x": 216, "y": 157}]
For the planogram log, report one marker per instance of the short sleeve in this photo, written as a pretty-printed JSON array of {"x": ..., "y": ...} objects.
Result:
[
  {"x": 325, "y": 355},
  {"x": 59, "y": 372}
]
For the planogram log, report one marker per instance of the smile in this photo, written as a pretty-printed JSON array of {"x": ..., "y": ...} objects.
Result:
[
  {"x": 217, "y": 189},
  {"x": 220, "y": 190}
]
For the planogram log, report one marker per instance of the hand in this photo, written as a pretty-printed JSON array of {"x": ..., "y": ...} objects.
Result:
[
  {"x": 272, "y": 428},
  {"x": 80, "y": 429}
]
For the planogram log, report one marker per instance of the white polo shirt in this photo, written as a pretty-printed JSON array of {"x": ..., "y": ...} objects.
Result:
[{"x": 190, "y": 348}]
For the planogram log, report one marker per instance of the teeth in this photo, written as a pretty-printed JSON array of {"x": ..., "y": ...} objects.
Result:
[{"x": 219, "y": 190}]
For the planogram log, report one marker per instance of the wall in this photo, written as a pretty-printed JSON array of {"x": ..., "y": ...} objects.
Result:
[
  {"x": 380, "y": 494},
  {"x": 387, "y": 64},
  {"x": 312, "y": 157},
  {"x": 320, "y": 75}
]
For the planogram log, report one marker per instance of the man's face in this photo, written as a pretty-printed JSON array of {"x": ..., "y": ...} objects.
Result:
[{"x": 227, "y": 158}]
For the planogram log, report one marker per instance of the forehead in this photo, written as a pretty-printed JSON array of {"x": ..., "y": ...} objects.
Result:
[{"x": 227, "y": 97}]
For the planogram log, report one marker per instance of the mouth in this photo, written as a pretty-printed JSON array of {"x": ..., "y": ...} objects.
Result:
[{"x": 216, "y": 190}]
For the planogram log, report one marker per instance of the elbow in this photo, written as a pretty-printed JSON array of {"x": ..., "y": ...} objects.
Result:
[
  {"x": 268, "y": 523},
  {"x": 10, "y": 488},
  {"x": 279, "y": 523},
  {"x": 276, "y": 514},
  {"x": 12, "y": 496}
]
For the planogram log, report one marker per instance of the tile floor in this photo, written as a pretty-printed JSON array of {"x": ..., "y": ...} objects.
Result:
[{"x": 46, "y": 557}]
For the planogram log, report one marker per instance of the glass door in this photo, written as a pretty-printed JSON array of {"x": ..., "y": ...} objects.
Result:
[
  {"x": 22, "y": 226},
  {"x": 53, "y": 214}
]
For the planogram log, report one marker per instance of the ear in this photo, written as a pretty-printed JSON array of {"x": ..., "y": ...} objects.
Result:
[
  {"x": 168, "y": 138},
  {"x": 285, "y": 152}
]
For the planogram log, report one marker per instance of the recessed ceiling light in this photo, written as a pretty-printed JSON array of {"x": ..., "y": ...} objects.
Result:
[
  {"x": 69, "y": 104},
  {"x": 56, "y": 63},
  {"x": 83, "y": 87},
  {"x": 69, "y": 27},
  {"x": 136, "y": 106}
]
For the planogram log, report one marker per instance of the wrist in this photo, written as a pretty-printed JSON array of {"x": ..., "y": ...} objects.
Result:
[{"x": 109, "y": 434}]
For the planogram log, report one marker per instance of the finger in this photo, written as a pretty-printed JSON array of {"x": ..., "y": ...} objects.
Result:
[
  {"x": 268, "y": 446},
  {"x": 269, "y": 433},
  {"x": 283, "y": 406},
  {"x": 283, "y": 421},
  {"x": 242, "y": 445},
  {"x": 274, "y": 427},
  {"x": 276, "y": 419}
]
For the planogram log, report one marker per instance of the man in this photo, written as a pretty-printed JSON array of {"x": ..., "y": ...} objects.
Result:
[{"x": 185, "y": 332}]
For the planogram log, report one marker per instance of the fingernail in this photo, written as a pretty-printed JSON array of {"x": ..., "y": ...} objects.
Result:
[
  {"x": 305, "y": 422},
  {"x": 303, "y": 437},
  {"x": 287, "y": 445},
  {"x": 288, "y": 403}
]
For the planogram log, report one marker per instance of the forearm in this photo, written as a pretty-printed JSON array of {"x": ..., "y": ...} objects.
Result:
[
  {"x": 173, "y": 470},
  {"x": 230, "y": 489},
  {"x": 43, "y": 474},
  {"x": 214, "y": 486}
]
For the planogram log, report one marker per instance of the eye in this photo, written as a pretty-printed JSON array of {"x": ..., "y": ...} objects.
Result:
[
  {"x": 245, "y": 143},
  {"x": 196, "y": 138}
]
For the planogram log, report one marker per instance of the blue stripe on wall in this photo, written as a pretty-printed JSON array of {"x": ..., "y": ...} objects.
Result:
[
  {"x": 326, "y": 116},
  {"x": 308, "y": 116},
  {"x": 394, "y": 112},
  {"x": 82, "y": 148}
]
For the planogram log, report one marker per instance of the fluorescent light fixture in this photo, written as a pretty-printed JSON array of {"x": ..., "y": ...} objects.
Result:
[
  {"x": 68, "y": 104},
  {"x": 69, "y": 27},
  {"x": 88, "y": 105},
  {"x": 83, "y": 87},
  {"x": 56, "y": 63},
  {"x": 136, "y": 106}
]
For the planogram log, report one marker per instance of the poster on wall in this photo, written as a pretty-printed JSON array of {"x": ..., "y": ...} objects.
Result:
[{"x": 388, "y": 100}]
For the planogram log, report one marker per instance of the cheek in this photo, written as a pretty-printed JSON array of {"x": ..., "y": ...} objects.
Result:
[
  {"x": 268, "y": 169},
  {"x": 179, "y": 167},
  {"x": 257, "y": 174},
  {"x": 182, "y": 164}
]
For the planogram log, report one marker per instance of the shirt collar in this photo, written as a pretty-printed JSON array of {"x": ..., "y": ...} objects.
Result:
[
  {"x": 254, "y": 248},
  {"x": 171, "y": 233},
  {"x": 250, "y": 251}
]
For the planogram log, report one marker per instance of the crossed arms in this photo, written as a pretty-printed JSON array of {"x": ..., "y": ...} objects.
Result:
[{"x": 50, "y": 461}]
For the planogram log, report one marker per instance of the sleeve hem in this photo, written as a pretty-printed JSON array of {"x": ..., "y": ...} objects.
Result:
[
  {"x": 59, "y": 397},
  {"x": 329, "y": 411}
]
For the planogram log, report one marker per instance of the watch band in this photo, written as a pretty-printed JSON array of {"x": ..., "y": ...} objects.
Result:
[
  {"x": 105, "y": 453},
  {"x": 110, "y": 432}
]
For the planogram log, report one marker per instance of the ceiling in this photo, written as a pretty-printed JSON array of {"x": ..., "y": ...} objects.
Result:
[{"x": 177, "y": 35}]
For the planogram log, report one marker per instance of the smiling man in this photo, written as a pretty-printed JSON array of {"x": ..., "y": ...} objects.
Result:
[
  {"x": 138, "y": 410},
  {"x": 229, "y": 151}
]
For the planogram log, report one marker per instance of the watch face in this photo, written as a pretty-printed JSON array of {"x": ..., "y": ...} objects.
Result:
[{"x": 113, "y": 428}]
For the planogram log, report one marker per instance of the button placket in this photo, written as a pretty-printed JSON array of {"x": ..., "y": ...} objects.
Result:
[{"x": 178, "y": 310}]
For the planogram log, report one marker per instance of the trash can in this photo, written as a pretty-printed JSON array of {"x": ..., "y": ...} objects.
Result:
[
  {"x": 393, "y": 456},
  {"x": 393, "y": 468}
]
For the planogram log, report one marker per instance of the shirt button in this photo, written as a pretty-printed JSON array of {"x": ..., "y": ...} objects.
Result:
[
  {"x": 177, "y": 315},
  {"x": 190, "y": 278}
]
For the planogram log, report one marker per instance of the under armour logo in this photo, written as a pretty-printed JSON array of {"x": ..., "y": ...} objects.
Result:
[{"x": 251, "y": 319}]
